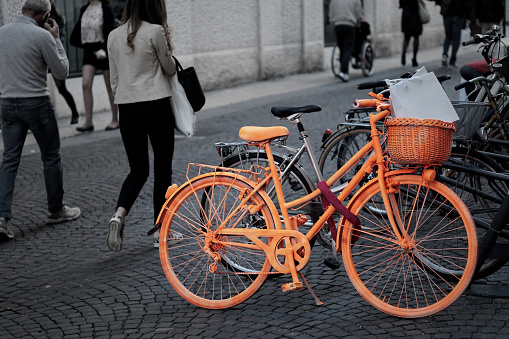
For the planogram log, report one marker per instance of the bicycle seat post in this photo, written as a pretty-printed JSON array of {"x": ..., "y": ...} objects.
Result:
[{"x": 303, "y": 135}]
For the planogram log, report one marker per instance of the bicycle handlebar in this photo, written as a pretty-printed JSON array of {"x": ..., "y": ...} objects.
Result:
[
  {"x": 365, "y": 103},
  {"x": 372, "y": 84},
  {"x": 477, "y": 79},
  {"x": 469, "y": 42},
  {"x": 460, "y": 86}
]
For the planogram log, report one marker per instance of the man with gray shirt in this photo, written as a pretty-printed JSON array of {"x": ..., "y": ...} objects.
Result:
[
  {"x": 28, "y": 46},
  {"x": 345, "y": 15}
]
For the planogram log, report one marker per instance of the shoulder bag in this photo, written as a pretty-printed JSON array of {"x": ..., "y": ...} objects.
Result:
[
  {"x": 423, "y": 12},
  {"x": 185, "y": 118},
  {"x": 189, "y": 81}
]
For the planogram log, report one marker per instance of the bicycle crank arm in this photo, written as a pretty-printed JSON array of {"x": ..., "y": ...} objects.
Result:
[{"x": 276, "y": 248}]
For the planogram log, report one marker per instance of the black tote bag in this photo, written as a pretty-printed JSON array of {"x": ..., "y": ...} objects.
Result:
[{"x": 189, "y": 80}]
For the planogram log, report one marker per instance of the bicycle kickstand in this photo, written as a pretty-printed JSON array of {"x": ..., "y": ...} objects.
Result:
[{"x": 317, "y": 301}]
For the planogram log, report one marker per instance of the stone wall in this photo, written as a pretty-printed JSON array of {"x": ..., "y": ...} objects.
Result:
[{"x": 384, "y": 17}]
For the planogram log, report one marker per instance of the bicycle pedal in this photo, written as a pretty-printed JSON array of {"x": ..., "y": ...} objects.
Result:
[
  {"x": 293, "y": 286},
  {"x": 331, "y": 263}
]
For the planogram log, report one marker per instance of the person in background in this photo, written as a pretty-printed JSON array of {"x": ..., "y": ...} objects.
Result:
[
  {"x": 60, "y": 20},
  {"x": 345, "y": 15},
  {"x": 454, "y": 13},
  {"x": 142, "y": 43},
  {"x": 488, "y": 13},
  {"x": 31, "y": 45},
  {"x": 473, "y": 70},
  {"x": 411, "y": 27},
  {"x": 91, "y": 31}
]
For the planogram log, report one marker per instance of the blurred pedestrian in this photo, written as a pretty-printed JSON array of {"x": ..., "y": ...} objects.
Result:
[
  {"x": 31, "y": 44},
  {"x": 142, "y": 43},
  {"x": 455, "y": 14},
  {"x": 95, "y": 22},
  {"x": 488, "y": 13},
  {"x": 60, "y": 20},
  {"x": 345, "y": 15},
  {"x": 411, "y": 27}
]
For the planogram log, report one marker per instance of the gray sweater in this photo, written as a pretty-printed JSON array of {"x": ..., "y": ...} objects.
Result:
[
  {"x": 26, "y": 52},
  {"x": 345, "y": 12}
]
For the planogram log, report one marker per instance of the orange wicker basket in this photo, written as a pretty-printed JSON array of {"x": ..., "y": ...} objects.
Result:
[{"x": 419, "y": 141}]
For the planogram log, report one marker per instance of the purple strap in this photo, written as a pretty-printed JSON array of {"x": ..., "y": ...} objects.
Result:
[{"x": 329, "y": 197}]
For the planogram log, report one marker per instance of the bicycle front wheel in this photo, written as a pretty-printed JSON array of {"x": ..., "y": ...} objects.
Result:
[
  {"x": 335, "y": 63},
  {"x": 404, "y": 278},
  {"x": 204, "y": 267}
]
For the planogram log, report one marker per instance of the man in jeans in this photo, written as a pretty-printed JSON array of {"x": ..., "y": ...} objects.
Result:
[
  {"x": 345, "y": 15},
  {"x": 29, "y": 46}
]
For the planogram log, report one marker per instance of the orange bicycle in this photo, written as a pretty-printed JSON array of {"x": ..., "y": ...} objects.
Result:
[{"x": 408, "y": 242}]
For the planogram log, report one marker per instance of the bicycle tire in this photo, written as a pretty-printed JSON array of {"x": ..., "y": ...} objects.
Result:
[
  {"x": 335, "y": 63},
  {"x": 367, "y": 59},
  {"x": 484, "y": 205},
  {"x": 391, "y": 275},
  {"x": 189, "y": 266},
  {"x": 296, "y": 184}
]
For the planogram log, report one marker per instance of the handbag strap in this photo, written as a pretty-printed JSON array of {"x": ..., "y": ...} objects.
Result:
[{"x": 177, "y": 63}]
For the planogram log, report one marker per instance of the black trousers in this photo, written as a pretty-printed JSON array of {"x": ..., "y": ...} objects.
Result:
[
  {"x": 345, "y": 36},
  {"x": 139, "y": 123}
]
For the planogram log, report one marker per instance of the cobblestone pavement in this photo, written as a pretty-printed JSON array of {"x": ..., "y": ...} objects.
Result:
[{"x": 61, "y": 280}]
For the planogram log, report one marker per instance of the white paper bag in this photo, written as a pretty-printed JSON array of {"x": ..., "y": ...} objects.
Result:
[
  {"x": 421, "y": 97},
  {"x": 185, "y": 117}
]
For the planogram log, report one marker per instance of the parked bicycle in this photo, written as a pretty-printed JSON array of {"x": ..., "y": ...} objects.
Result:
[{"x": 405, "y": 230}]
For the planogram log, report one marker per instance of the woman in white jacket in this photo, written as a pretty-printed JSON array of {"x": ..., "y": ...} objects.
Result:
[{"x": 140, "y": 58}]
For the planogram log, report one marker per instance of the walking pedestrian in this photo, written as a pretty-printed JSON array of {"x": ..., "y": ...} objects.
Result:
[
  {"x": 345, "y": 15},
  {"x": 95, "y": 22},
  {"x": 454, "y": 13},
  {"x": 411, "y": 27},
  {"x": 140, "y": 59},
  {"x": 31, "y": 44},
  {"x": 62, "y": 89}
]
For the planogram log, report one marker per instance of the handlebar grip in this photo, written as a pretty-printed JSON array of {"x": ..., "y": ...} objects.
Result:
[
  {"x": 469, "y": 42},
  {"x": 460, "y": 86},
  {"x": 372, "y": 84},
  {"x": 443, "y": 78},
  {"x": 365, "y": 103}
]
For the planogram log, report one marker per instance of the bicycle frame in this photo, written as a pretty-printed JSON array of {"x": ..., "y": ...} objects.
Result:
[{"x": 377, "y": 158}]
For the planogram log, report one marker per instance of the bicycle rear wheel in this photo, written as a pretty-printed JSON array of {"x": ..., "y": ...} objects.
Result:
[
  {"x": 190, "y": 266},
  {"x": 403, "y": 278},
  {"x": 296, "y": 184},
  {"x": 367, "y": 59}
]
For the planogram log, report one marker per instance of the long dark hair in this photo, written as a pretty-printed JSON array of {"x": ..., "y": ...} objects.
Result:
[{"x": 136, "y": 11}]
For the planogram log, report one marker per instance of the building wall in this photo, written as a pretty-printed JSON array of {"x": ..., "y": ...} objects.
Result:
[{"x": 384, "y": 17}]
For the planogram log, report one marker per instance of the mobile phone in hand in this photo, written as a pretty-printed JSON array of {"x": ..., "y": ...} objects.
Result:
[{"x": 45, "y": 19}]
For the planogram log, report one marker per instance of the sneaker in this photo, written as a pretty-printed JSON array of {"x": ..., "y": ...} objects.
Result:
[
  {"x": 156, "y": 239},
  {"x": 65, "y": 214},
  {"x": 5, "y": 228},
  {"x": 173, "y": 239},
  {"x": 444, "y": 60},
  {"x": 344, "y": 76},
  {"x": 116, "y": 233}
]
